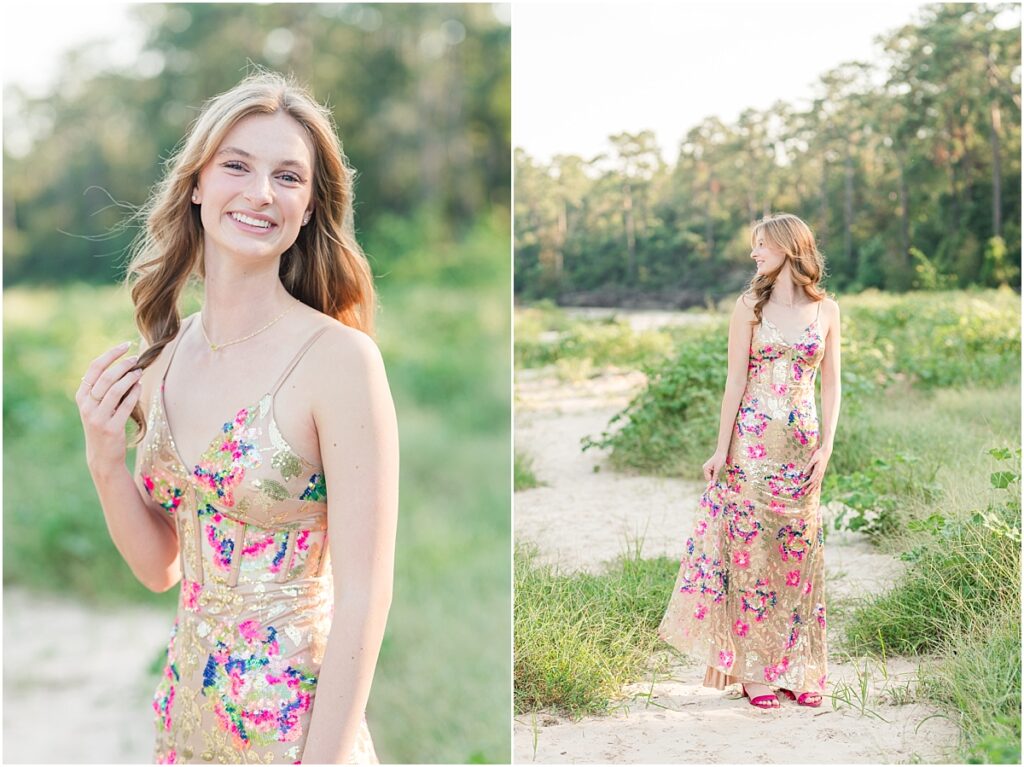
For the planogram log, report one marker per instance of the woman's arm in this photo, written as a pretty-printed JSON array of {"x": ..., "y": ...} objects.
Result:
[
  {"x": 831, "y": 394},
  {"x": 358, "y": 435},
  {"x": 740, "y": 332},
  {"x": 831, "y": 385},
  {"x": 142, "y": 533}
]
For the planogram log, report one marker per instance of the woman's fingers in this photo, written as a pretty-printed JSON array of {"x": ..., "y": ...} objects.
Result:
[
  {"x": 117, "y": 390},
  {"x": 123, "y": 410},
  {"x": 114, "y": 373},
  {"x": 101, "y": 363}
]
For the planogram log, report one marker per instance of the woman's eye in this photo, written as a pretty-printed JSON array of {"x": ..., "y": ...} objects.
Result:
[
  {"x": 291, "y": 178},
  {"x": 233, "y": 165}
]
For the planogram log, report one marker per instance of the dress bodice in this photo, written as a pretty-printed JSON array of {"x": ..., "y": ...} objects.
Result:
[{"x": 251, "y": 509}]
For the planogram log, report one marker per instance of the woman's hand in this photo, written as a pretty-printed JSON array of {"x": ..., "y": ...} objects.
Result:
[
  {"x": 815, "y": 469},
  {"x": 713, "y": 466},
  {"x": 105, "y": 400}
]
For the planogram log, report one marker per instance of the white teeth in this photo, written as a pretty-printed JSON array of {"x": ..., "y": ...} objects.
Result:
[{"x": 251, "y": 221}]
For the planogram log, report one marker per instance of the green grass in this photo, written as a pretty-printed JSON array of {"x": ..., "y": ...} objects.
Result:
[
  {"x": 445, "y": 347},
  {"x": 915, "y": 451},
  {"x": 978, "y": 683},
  {"x": 578, "y": 637},
  {"x": 545, "y": 335},
  {"x": 524, "y": 476}
]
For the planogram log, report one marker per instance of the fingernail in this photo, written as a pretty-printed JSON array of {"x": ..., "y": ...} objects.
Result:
[{"x": 124, "y": 345}]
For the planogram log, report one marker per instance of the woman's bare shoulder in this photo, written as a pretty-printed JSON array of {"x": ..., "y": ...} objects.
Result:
[
  {"x": 745, "y": 305},
  {"x": 343, "y": 347}
]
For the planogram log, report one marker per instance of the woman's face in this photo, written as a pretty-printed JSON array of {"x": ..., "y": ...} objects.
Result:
[
  {"x": 767, "y": 257},
  {"x": 257, "y": 188}
]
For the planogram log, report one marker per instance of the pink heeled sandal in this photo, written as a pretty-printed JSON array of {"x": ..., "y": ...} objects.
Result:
[
  {"x": 810, "y": 699},
  {"x": 761, "y": 701}
]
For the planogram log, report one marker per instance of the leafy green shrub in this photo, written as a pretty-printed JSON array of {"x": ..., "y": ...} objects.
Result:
[
  {"x": 673, "y": 421},
  {"x": 873, "y": 499}
]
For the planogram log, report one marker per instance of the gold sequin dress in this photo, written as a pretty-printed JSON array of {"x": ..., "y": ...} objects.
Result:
[
  {"x": 749, "y": 599},
  {"x": 256, "y": 598}
]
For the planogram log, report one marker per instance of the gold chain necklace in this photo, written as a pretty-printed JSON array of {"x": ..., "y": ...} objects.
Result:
[{"x": 214, "y": 347}]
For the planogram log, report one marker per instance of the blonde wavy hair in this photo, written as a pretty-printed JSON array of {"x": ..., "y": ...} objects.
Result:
[
  {"x": 794, "y": 238},
  {"x": 325, "y": 268}
]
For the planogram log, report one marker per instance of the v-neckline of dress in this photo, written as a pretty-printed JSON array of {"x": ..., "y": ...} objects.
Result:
[
  {"x": 276, "y": 435},
  {"x": 799, "y": 338},
  {"x": 191, "y": 467}
]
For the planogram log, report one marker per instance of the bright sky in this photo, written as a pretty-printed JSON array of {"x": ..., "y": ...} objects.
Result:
[
  {"x": 36, "y": 34},
  {"x": 583, "y": 71}
]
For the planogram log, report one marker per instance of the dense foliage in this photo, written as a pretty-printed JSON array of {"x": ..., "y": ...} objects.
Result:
[{"x": 911, "y": 183}]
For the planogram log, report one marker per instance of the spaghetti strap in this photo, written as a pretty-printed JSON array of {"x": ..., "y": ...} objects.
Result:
[
  {"x": 296, "y": 358},
  {"x": 818, "y": 313},
  {"x": 174, "y": 346}
]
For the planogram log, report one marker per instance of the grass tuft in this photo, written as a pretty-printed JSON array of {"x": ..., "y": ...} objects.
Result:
[
  {"x": 580, "y": 637},
  {"x": 524, "y": 475}
]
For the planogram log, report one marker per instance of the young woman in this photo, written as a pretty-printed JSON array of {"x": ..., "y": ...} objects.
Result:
[
  {"x": 749, "y": 600},
  {"x": 255, "y": 406}
]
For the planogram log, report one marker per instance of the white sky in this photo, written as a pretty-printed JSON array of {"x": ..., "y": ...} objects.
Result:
[
  {"x": 583, "y": 71},
  {"x": 35, "y": 34}
]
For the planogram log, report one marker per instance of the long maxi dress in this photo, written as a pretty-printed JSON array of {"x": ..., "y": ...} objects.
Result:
[
  {"x": 256, "y": 601},
  {"x": 749, "y": 599}
]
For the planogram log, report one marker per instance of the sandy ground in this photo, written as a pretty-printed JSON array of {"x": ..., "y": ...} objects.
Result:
[
  {"x": 585, "y": 515},
  {"x": 77, "y": 685}
]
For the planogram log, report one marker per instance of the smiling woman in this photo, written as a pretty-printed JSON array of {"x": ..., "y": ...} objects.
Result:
[{"x": 233, "y": 502}]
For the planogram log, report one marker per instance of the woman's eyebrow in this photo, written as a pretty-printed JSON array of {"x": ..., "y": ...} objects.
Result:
[{"x": 243, "y": 153}]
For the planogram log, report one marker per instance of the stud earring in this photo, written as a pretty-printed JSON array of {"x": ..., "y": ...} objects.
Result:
[
  {"x": 195, "y": 198},
  {"x": 305, "y": 219}
]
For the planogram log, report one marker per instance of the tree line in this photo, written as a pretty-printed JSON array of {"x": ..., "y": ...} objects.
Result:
[
  {"x": 420, "y": 93},
  {"x": 914, "y": 183}
]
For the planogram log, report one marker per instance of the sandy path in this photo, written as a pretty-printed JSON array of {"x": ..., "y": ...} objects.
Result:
[
  {"x": 77, "y": 685},
  {"x": 581, "y": 519}
]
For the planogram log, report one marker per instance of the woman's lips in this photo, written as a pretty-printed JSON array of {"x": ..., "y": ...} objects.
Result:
[{"x": 240, "y": 220}]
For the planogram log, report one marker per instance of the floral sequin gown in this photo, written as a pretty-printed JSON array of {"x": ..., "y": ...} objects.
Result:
[
  {"x": 749, "y": 599},
  {"x": 256, "y": 598}
]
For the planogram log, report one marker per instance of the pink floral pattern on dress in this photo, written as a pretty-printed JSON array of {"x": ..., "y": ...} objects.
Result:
[
  {"x": 223, "y": 465},
  {"x": 743, "y": 523},
  {"x": 804, "y": 423},
  {"x": 258, "y": 695},
  {"x": 751, "y": 420},
  {"x": 163, "y": 698},
  {"x": 162, "y": 489}
]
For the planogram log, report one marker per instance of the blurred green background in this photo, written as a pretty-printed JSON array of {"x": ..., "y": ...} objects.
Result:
[{"x": 421, "y": 96}]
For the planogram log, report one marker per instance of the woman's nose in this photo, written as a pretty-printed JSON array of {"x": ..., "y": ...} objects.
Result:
[{"x": 259, "y": 191}]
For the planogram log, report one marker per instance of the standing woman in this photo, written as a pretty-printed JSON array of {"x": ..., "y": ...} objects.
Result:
[
  {"x": 749, "y": 600},
  {"x": 255, "y": 406}
]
